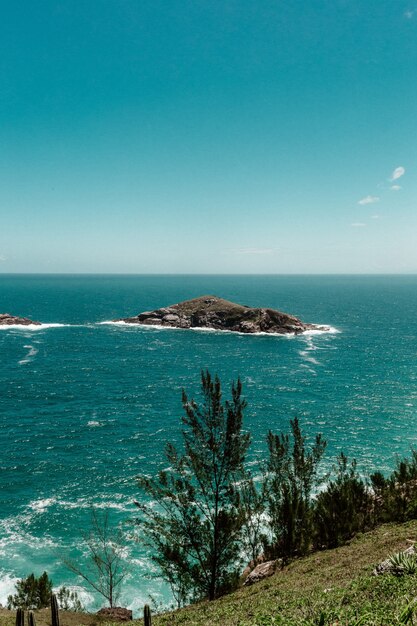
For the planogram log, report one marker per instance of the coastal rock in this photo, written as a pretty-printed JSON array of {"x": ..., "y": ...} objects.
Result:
[
  {"x": 218, "y": 314},
  {"x": 261, "y": 571},
  {"x": 10, "y": 320},
  {"x": 116, "y": 613}
]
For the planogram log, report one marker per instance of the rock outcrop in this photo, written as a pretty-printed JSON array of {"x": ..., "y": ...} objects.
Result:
[
  {"x": 216, "y": 313},
  {"x": 10, "y": 320},
  {"x": 116, "y": 613},
  {"x": 261, "y": 571}
]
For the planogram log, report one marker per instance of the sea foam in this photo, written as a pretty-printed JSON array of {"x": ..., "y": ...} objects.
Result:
[
  {"x": 320, "y": 330},
  {"x": 29, "y": 357},
  {"x": 30, "y": 326}
]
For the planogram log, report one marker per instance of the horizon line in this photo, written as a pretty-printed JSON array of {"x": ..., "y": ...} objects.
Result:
[{"x": 294, "y": 274}]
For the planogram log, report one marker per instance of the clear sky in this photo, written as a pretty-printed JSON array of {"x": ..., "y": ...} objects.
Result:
[{"x": 211, "y": 136}]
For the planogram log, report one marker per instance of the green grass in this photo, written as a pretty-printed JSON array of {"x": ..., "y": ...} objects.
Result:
[
  {"x": 335, "y": 586},
  {"x": 330, "y": 588}
]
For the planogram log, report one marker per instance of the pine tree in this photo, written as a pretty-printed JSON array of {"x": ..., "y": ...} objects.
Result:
[
  {"x": 344, "y": 508},
  {"x": 195, "y": 529},
  {"x": 31, "y": 593},
  {"x": 397, "y": 495},
  {"x": 291, "y": 476}
]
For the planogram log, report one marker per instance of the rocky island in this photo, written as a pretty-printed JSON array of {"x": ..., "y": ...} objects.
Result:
[
  {"x": 10, "y": 320},
  {"x": 218, "y": 314}
]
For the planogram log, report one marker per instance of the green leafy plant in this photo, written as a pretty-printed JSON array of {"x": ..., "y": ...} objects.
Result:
[
  {"x": 403, "y": 563},
  {"x": 31, "y": 593},
  {"x": 407, "y": 616}
]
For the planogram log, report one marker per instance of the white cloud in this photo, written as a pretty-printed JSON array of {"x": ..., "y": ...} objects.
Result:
[
  {"x": 395, "y": 187},
  {"x": 253, "y": 251},
  {"x": 369, "y": 200},
  {"x": 398, "y": 172},
  {"x": 358, "y": 224}
]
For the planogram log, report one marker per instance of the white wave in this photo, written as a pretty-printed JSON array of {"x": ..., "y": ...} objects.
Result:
[
  {"x": 113, "y": 505},
  {"x": 41, "y": 505},
  {"x": 7, "y": 586},
  {"x": 85, "y": 503},
  {"x": 327, "y": 330},
  {"x": 31, "y": 326},
  {"x": 32, "y": 352},
  {"x": 86, "y": 598},
  {"x": 320, "y": 330},
  {"x": 137, "y": 325},
  {"x": 14, "y": 534},
  {"x": 16, "y": 528},
  {"x": 310, "y": 359},
  {"x": 94, "y": 423}
]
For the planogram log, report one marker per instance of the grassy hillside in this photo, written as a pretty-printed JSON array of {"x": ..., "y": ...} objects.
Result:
[
  {"x": 335, "y": 586},
  {"x": 336, "y": 583}
]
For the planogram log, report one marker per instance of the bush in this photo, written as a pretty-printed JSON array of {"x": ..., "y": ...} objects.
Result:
[
  {"x": 397, "y": 494},
  {"x": 68, "y": 600},
  {"x": 31, "y": 593},
  {"x": 403, "y": 563},
  {"x": 292, "y": 475},
  {"x": 343, "y": 509}
]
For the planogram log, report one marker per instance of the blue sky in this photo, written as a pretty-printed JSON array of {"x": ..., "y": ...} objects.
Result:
[{"x": 208, "y": 136}]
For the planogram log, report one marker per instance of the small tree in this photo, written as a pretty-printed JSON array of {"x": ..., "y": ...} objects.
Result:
[
  {"x": 397, "y": 495},
  {"x": 31, "y": 593},
  {"x": 68, "y": 600},
  {"x": 344, "y": 508},
  {"x": 106, "y": 568},
  {"x": 195, "y": 529},
  {"x": 292, "y": 474}
]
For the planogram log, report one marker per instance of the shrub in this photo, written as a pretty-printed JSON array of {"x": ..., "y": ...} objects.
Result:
[
  {"x": 292, "y": 474},
  {"x": 403, "y": 563},
  {"x": 68, "y": 600},
  {"x": 397, "y": 494},
  {"x": 31, "y": 593},
  {"x": 343, "y": 509}
]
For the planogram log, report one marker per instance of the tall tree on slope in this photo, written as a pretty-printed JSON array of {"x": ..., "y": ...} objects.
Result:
[{"x": 195, "y": 518}]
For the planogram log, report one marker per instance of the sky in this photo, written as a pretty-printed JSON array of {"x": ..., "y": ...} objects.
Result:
[{"x": 206, "y": 136}]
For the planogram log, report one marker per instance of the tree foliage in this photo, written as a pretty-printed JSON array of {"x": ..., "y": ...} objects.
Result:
[
  {"x": 291, "y": 477},
  {"x": 344, "y": 508},
  {"x": 397, "y": 495},
  {"x": 31, "y": 593},
  {"x": 195, "y": 521}
]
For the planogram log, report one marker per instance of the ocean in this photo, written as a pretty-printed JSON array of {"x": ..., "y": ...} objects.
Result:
[{"x": 86, "y": 406}]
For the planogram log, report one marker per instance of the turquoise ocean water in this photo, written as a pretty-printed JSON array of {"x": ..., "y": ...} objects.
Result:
[{"x": 86, "y": 406}]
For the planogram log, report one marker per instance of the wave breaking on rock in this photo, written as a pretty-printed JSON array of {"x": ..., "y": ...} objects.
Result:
[{"x": 211, "y": 312}]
